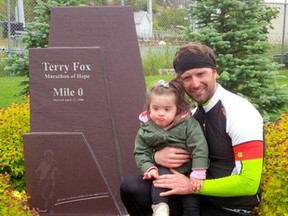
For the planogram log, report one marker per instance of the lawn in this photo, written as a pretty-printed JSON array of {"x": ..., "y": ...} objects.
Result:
[
  {"x": 10, "y": 89},
  {"x": 150, "y": 80},
  {"x": 284, "y": 78}
]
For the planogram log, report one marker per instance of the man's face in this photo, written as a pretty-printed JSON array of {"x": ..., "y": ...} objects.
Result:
[{"x": 200, "y": 83}]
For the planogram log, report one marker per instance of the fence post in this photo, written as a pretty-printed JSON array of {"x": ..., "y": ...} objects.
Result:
[
  {"x": 20, "y": 12},
  {"x": 283, "y": 33},
  {"x": 9, "y": 26}
]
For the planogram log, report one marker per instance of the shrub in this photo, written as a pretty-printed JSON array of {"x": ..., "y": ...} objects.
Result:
[
  {"x": 275, "y": 173},
  {"x": 12, "y": 201},
  {"x": 160, "y": 58},
  {"x": 16, "y": 65},
  {"x": 14, "y": 122},
  {"x": 2, "y": 73}
]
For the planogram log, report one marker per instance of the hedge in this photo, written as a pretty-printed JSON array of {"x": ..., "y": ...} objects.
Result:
[{"x": 14, "y": 122}]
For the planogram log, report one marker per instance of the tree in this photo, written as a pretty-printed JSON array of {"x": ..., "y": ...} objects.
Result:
[
  {"x": 35, "y": 36},
  {"x": 170, "y": 18},
  {"x": 29, "y": 9},
  {"x": 37, "y": 31},
  {"x": 237, "y": 31},
  {"x": 137, "y": 5}
]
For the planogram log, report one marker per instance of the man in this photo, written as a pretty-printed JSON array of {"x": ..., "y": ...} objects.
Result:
[{"x": 234, "y": 133}]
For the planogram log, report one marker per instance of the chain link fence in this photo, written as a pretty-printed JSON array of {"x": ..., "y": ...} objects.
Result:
[
  {"x": 14, "y": 15},
  {"x": 156, "y": 21},
  {"x": 154, "y": 24}
]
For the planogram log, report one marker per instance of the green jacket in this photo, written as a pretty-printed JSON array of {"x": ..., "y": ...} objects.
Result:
[{"x": 186, "y": 134}]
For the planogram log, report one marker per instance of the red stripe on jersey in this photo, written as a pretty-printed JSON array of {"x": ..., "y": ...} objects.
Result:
[{"x": 249, "y": 150}]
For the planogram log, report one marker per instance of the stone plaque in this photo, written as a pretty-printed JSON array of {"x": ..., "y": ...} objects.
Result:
[
  {"x": 111, "y": 28},
  {"x": 64, "y": 176},
  {"x": 88, "y": 81}
]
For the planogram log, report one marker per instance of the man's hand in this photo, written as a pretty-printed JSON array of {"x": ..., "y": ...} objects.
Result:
[
  {"x": 171, "y": 157},
  {"x": 177, "y": 182}
]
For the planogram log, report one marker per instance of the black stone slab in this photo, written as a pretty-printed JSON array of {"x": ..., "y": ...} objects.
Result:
[
  {"x": 111, "y": 28},
  {"x": 64, "y": 176},
  {"x": 89, "y": 80}
]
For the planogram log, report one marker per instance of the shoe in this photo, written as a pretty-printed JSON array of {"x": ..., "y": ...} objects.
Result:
[{"x": 161, "y": 209}]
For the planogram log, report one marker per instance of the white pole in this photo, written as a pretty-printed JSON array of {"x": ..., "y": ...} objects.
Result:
[
  {"x": 283, "y": 33},
  {"x": 9, "y": 26},
  {"x": 150, "y": 16},
  {"x": 20, "y": 12}
]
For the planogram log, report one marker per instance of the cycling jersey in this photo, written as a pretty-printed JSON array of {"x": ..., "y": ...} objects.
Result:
[{"x": 234, "y": 132}]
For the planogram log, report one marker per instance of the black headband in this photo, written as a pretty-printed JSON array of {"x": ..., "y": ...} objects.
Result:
[{"x": 193, "y": 60}]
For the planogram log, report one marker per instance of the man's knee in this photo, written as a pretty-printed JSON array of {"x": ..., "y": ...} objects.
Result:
[{"x": 129, "y": 185}]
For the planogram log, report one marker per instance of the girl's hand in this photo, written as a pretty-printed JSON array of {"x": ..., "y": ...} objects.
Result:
[
  {"x": 196, "y": 184},
  {"x": 151, "y": 174}
]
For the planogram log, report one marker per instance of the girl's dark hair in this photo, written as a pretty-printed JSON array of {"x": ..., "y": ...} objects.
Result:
[{"x": 176, "y": 87}]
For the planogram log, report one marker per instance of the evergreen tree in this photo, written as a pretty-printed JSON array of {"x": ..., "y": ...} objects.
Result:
[
  {"x": 38, "y": 30},
  {"x": 35, "y": 36},
  {"x": 237, "y": 31}
]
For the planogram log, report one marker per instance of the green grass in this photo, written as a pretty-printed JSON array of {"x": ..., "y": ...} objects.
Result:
[
  {"x": 9, "y": 90},
  {"x": 3, "y": 43},
  {"x": 155, "y": 58},
  {"x": 284, "y": 78},
  {"x": 150, "y": 80},
  {"x": 2, "y": 56}
]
